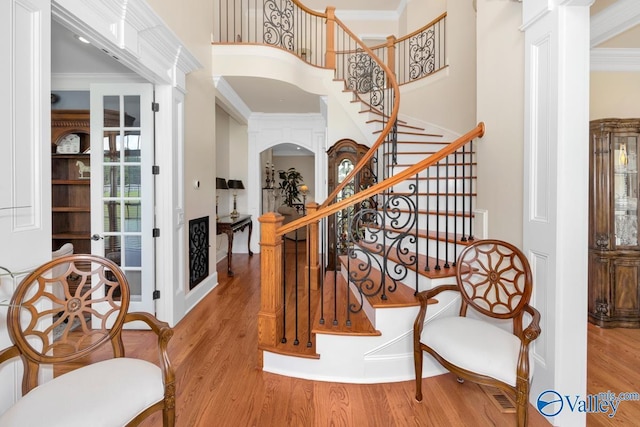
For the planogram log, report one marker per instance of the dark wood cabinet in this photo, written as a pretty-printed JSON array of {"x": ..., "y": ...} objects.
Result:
[{"x": 614, "y": 250}]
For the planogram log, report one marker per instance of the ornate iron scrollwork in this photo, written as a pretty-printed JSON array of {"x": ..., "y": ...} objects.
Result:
[
  {"x": 379, "y": 236},
  {"x": 422, "y": 54},
  {"x": 364, "y": 75},
  {"x": 278, "y": 23}
]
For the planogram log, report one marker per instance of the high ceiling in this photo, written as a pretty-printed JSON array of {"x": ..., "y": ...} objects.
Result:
[{"x": 70, "y": 56}]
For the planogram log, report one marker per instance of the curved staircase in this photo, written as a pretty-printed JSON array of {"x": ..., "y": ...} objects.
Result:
[{"x": 396, "y": 231}]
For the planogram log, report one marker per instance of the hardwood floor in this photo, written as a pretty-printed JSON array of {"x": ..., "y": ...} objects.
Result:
[{"x": 214, "y": 351}]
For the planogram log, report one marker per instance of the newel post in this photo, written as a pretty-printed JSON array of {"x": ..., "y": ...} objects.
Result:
[
  {"x": 391, "y": 55},
  {"x": 271, "y": 298},
  {"x": 330, "y": 55},
  {"x": 313, "y": 247}
]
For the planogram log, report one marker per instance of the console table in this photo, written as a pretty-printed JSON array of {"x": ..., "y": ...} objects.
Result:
[{"x": 229, "y": 225}]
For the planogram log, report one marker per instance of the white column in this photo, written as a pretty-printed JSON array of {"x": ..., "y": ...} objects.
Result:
[{"x": 555, "y": 214}]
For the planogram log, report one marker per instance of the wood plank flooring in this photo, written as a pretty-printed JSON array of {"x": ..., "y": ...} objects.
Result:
[{"x": 214, "y": 351}]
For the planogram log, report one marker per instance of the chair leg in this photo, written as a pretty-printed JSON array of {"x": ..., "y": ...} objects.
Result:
[
  {"x": 522, "y": 414},
  {"x": 522, "y": 401},
  {"x": 417, "y": 360},
  {"x": 169, "y": 417}
]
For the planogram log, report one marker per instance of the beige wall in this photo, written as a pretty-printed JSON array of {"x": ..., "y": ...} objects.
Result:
[
  {"x": 454, "y": 89},
  {"x": 614, "y": 94},
  {"x": 419, "y": 13},
  {"x": 193, "y": 25},
  {"x": 500, "y": 107}
]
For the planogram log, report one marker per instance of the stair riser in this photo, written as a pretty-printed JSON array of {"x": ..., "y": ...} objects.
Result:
[
  {"x": 460, "y": 171},
  {"x": 431, "y": 222},
  {"x": 445, "y": 251},
  {"x": 433, "y": 185},
  {"x": 406, "y": 275},
  {"x": 411, "y": 158}
]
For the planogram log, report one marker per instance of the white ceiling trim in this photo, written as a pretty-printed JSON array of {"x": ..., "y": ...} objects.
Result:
[
  {"x": 132, "y": 33},
  {"x": 229, "y": 100},
  {"x": 82, "y": 81},
  {"x": 614, "y": 20},
  {"x": 610, "y": 59}
]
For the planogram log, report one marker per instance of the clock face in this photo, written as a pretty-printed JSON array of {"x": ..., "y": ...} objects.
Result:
[{"x": 69, "y": 144}]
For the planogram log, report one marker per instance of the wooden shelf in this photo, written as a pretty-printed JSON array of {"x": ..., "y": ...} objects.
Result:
[
  {"x": 71, "y": 209},
  {"x": 71, "y": 156},
  {"x": 70, "y": 195},
  {"x": 71, "y": 182}
]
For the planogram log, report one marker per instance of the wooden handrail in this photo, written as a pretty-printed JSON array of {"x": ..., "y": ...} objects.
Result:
[
  {"x": 385, "y": 131},
  {"x": 476, "y": 132},
  {"x": 418, "y": 31}
]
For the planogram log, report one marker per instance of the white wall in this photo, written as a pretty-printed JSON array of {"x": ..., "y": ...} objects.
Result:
[
  {"x": 269, "y": 130},
  {"x": 25, "y": 164}
]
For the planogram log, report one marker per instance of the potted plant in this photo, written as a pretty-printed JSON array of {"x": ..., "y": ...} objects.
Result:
[{"x": 290, "y": 181}]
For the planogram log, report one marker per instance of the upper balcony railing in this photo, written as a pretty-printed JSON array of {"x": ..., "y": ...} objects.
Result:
[
  {"x": 416, "y": 55},
  {"x": 291, "y": 26}
]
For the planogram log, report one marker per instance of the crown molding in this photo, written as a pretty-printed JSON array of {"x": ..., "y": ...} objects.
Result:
[
  {"x": 230, "y": 101},
  {"x": 610, "y": 59},
  {"x": 133, "y": 34},
  {"x": 614, "y": 20},
  {"x": 82, "y": 81}
]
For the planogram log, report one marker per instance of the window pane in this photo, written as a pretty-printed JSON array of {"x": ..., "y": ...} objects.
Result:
[
  {"x": 112, "y": 216},
  {"x": 111, "y": 184}
]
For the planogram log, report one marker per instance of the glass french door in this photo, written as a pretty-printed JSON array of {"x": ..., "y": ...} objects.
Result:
[{"x": 122, "y": 184}]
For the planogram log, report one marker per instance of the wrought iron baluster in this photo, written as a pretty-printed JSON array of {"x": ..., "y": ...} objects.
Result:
[
  {"x": 284, "y": 291},
  {"x": 417, "y": 231},
  {"x": 307, "y": 242},
  {"x": 296, "y": 341},
  {"x": 464, "y": 194},
  {"x": 471, "y": 190},
  {"x": 428, "y": 216},
  {"x": 323, "y": 262},
  {"x": 446, "y": 214},
  {"x": 437, "y": 166},
  {"x": 455, "y": 209}
]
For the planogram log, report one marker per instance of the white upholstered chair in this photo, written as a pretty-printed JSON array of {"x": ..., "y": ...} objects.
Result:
[
  {"x": 494, "y": 281},
  {"x": 83, "y": 326}
]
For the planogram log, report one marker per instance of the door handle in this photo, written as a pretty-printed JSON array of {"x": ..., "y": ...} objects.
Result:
[{"x": 96, "y": 237}]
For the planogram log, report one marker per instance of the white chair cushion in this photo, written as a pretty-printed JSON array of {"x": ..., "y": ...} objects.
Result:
[
  {"x": 107, "y": 393},
  {"x": 476, "y": 346}
]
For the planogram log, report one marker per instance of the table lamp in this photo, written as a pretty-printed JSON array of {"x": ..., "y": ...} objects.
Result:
[
  {"x": 304, "y": 189},
  {"x": 221, "y": 184},
  {"x": 235, "y": 185}
]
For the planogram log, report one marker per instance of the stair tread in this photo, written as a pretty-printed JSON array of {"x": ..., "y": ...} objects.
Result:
[
  {"x": 423, "y": 261},
  {"x": 441, "y": 236},
  {"x": 442, "y": 163},
  {"x": 402, "y": 296},
  {"x": 424, "y": 142},
  {"x": 360, "y": 324},
  {"x": 402, "y": 132},
  {"x": 431, "y": 212},
  {"x": 404, "y": 125}
]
